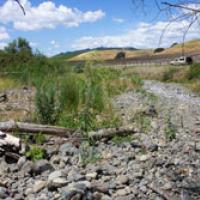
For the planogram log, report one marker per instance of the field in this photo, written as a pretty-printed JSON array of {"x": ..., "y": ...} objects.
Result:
[{"x": 191, "y": 47}]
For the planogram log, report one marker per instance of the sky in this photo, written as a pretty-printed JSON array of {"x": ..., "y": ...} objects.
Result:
[{"x": 58, "y": 26}]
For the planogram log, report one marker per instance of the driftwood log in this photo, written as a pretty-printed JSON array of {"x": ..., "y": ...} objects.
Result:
[
  {"x": 9, "y": 143},
  {"x": 21, "y": 127},
  {"x": 111, "y": 132},
  {"x": 12, "y": 126}
]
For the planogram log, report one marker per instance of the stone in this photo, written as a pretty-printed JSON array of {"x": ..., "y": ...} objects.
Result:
[
  {"x": 153, "y": 148},
  {"x": 28, "y": 191},
  {"x": 123, "y": 192},
  {"x": 68, "y": 149},
  {"x": 91, "y": 176},
  {"x": 122, "y": 179},
  {"x": 54, "y": 175},
  {"x": 41, "y": 166},
  {"x": 74, "y": 175},
  {"x": 27, "y": 167},
  {"x": 73, "y": 189},
  {"x": 39, "y": 185},
  {"x": 143, "y": 158},
  {"x": 3, "y": 193},
  {"x": 21, "y": 162},
  {"x": 57, "y": 183},
  {"x": 57, "y": 180}
]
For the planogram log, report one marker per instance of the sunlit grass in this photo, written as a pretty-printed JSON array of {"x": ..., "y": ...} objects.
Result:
[{"x": 8, "y": 83}]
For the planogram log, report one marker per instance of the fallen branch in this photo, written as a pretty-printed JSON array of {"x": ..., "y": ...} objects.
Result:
[
  {"x": 111, "y": 132},
  {"x": 160, "y": 192},
  {"x": 12, "y": 126}
]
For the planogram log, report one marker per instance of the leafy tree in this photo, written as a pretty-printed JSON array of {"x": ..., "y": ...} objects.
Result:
[
  {"x": 20, "y": 45},
  {"x": 120, "y": 56},
  {"x": 158, "y": 50}
]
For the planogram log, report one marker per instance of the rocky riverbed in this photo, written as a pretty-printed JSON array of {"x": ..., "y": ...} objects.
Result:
[{"x": 147, "y": 166}]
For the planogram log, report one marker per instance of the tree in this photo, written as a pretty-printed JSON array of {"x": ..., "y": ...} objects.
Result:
[
  {"x": 120, "y": 55},
  {"x": 176, "y": 11},
  {"x": 20, "y": 5},
  {"x": 20, "y": 46}
]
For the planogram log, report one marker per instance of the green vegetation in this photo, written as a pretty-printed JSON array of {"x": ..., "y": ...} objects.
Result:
[
  {"x": 35, "y": 153},
  {"x": 122, "y": 139},
  {"x": 158, "y": 50},
  {"x": 170, "y": 130},
  {"x": 73, "y": 96},
  {"x": 88, "y": 154},
  {"x": 120, "y": 55},
  {"x": 168, "y": 75},
  {"x": 142, "y": 122}
]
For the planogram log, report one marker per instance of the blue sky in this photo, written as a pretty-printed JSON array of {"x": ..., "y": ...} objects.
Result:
[{"x": 65, "y": 25}]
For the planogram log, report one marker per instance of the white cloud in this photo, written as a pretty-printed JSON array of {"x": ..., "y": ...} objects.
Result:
[
  {"x": 146, "y": 35},
  {"x": 3, "y": 33},
  {"x": 45, "y": 15},
  {"x": 33, "y": 44},
  {"x": 118, "y": 20},
  {"x": 2, "y": 45},
  {"x": 55, "y": 44}
]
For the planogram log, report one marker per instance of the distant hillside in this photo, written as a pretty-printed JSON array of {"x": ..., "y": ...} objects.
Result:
[
  {"x": 77, "y": 55},
  {"x": 101, "y": 53}
]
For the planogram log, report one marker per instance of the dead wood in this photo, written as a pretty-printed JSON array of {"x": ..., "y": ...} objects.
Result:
[
  {"x": 9, "y": 142},
  {"x": 21, "y": 127},
  {"x": 111, "y": 132},
  {"x": 12, "y": 126}
]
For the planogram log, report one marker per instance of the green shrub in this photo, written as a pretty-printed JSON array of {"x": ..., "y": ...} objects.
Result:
[
  {"x": 168, "y": 75},
  {"x": 194, "y": 71},
  {"x": 170, "y": 130},
  {"x": 120, "y": 56},
  {"x": 47, "y": 107},
  {"x": 35, "y": 153},
  {"x": 136, "y": 80},
  {"x": 88, "y": 154},
  {"x": 69, "y": 93},
  {"x": 158, "y": 50}
]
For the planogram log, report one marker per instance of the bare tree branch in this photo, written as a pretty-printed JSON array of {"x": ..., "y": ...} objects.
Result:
[
  {"x": 181, "y": 6},
  {"x": 20, "y": 5}
]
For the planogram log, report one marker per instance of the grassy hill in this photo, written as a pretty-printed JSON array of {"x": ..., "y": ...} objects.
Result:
[{"x": 101, "y": 54}]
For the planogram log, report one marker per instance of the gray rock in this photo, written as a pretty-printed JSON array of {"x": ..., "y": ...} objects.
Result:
[
  {"x": 21, "y": 162},
  {"x": 3, "y": 193},
  {"x": 122, "y": 179},
  {"x": 74, "y": 175},
  {"x": 55, "y": 174},
  {"x": 91, "y": 176},
  {"x": 68, "y": 149},
  {"x": 56, "y": 180},
  {"x": 41, "y": 166},
  {"x": 57, "y": 183},
  {"x": 153, "y": 147},
  {"x": 39, "y": 185},
  {"x": 27, "y": 167},
  {"x": 76, "y": 190},
  {"x": 123, "y": 192}
]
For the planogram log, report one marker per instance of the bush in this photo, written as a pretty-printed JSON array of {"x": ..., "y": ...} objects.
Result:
[
  {"x": 194, "y": 71},
  {"x": 168, "y": 75},
  {"x": 174, "y": 44},
  {"x": 158, "y": 50},
  {"x": 35, "y": 153},
  {"x": 47, "y": 107},
  {"x": 120, "y": 56}
]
